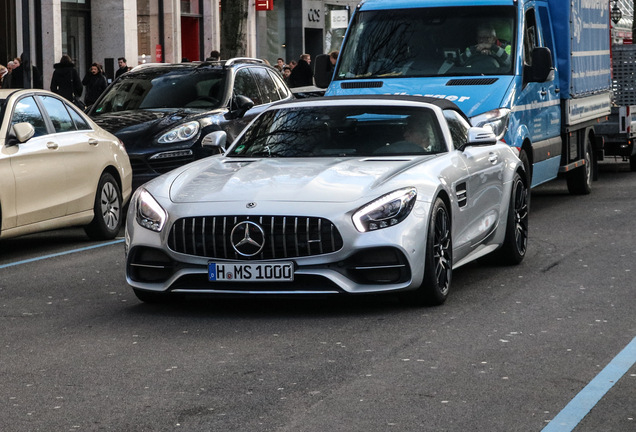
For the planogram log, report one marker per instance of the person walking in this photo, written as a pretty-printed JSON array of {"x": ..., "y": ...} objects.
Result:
[
  {"x": 95, "y": 83},
  {"x": 66, "y": 81},
  {"x": 123, "y": 67}
]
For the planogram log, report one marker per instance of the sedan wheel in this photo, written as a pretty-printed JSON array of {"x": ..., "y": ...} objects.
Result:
[{"x": 107, "y": 208}]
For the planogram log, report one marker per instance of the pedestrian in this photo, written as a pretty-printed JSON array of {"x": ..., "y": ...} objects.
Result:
[
  {"x": 292, "y": 64},
  {"x": 3, "y": 72},
  {"x": 214, "y": 56},
  {"x": 280, "y": 65},
  {"x": 286, "y": 74},
  {"x": 123, "y": 67},
  {"x": 6, "y": 81},
  {"x": 95, "y": 83},
  {"x": 66, "y": 81},
  {"x": 25, "y": 75},
  {"x": 302, "y": 75},
  {"x": 333, "y": 58}
]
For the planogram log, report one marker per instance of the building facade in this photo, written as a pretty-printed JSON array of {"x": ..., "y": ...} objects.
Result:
[{"x": 149, "y": 31}]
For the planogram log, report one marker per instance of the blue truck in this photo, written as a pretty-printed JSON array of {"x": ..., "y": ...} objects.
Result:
[{"x": 535, "y": 71}]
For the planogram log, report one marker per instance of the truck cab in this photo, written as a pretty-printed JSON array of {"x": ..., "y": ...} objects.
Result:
[{"x": 510, "y": 65}]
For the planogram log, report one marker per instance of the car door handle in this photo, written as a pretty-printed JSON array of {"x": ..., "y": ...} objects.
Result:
[
  {"x": 93, "y": 142},
  {"x": 52, "y": 145},
  {"x": 493, "y": 158}
]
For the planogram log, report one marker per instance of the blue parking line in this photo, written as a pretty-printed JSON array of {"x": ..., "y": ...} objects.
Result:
[
  {"x": 583, "y": 403},
  {"x": 60, "y": 254}
]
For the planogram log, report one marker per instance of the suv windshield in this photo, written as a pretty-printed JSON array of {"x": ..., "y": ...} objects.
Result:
[
  {"x": 165, "y": 88},
  {"x": 430, "y": 42},
  {"x": 341, "y": 131}
]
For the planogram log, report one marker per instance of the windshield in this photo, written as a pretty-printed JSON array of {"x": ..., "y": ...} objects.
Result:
[
  {"x": 429, "y": 42},
  {"x": 341, "y": 131},
  {"x": 160, "y": 88}
]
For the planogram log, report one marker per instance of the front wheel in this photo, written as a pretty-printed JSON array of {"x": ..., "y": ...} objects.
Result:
[
  {"x": 515, "y": 243},
  {"x": 107, "y": 208},
  {"x": 580, "y": 179},
  {"x": 438, "y": 268}
]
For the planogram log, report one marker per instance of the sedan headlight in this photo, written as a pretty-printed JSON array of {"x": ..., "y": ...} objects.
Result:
[
  {"x": 182, "y": 133},
  {"x": 386, "y": 211},
  {"x": 149, "y": 213},
  {"x": 496, "y": 120}
]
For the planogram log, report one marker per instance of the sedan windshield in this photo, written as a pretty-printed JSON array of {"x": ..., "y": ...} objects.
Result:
[
  {"x": 341, "y": 131},
  {"x": 160, "y": 88},
  {"x": 429, "y": 42}
]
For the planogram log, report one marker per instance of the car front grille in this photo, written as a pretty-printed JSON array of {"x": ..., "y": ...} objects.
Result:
[{"x": 283, "y": 236}]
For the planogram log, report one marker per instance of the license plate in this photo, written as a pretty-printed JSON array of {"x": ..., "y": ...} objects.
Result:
[{"x": 252, "y": 272}]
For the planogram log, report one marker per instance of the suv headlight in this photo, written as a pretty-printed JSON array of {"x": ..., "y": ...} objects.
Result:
[
  {"x": 149, "y": 214},
  {"x": 497, "y": 120},
  {"x": 182, "y": 133},
  {"x": 386, "y": 211}
]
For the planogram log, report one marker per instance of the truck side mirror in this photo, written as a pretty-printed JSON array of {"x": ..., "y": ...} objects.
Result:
[
  {"x": 542, "y": 65},
  {"x": 321, "y": 72}
]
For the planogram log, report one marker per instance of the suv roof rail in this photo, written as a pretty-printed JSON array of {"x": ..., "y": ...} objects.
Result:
[{"x": 232, "y": 61}]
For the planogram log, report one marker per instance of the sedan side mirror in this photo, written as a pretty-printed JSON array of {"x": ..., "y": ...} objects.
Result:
[
  {"x": 480, "y": 137},
  {"x": 215, "y": 139},
  {"x": 22, "y": 132}
]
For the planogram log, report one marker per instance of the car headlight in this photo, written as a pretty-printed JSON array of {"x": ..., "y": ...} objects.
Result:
[
  {"x": 182, "y": 133},
  {"x": 386, "y": 211},
  {"x": 496, "y": 120},
  {"x": 149, "y": 214}
]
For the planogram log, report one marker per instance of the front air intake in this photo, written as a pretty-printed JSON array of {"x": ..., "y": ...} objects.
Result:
[
  {"x": 361, "y": 84},
  {"x": 472, "y": 82}
]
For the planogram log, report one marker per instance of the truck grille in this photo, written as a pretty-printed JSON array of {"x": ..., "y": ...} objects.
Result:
[{"x": 283, "y": 236}]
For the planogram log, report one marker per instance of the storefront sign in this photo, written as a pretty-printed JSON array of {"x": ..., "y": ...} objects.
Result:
[
  {"x": 264, "y": 5},
  {"x": 158, "y": 54},
  {"x": 313, "y": 14},
  {"x": 339, "y": 18}
]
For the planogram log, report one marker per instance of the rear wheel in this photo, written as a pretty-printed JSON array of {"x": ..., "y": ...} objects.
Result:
[
  {"x": 438, "y": 268},
  {"x": 107, "y": 208},
  {"x": 580, "y": 179},
  {"x": 515, "y": 244}
]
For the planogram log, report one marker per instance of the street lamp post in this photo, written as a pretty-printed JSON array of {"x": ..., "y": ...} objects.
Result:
[{"x": 616, "y": 13}]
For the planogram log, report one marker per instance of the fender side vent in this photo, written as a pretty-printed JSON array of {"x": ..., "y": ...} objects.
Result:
[
  {"x": 362, "y": 84},
  {"x": 472, "y": 82},
  {"x": 460, "y": 192}
]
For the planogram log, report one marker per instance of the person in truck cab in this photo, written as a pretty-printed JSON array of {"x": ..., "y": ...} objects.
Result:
[{"x": 488, "y": 46}]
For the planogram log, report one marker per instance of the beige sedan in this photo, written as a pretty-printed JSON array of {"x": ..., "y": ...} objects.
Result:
[{"x": 58, "y": 168}]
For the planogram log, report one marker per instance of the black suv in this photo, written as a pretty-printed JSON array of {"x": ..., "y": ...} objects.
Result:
[{"x": 162, "y": 112}]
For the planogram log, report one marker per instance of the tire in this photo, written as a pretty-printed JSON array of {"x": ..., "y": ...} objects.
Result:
[
  {"x": 526, "y": 166},
  {"x": 515, "y": 243},
  {"x": 107, "y": 208},
  {"x": 580, "y": 179},
  {"x": 438, "y": 268},
  {"x": 632, "y": 163}
]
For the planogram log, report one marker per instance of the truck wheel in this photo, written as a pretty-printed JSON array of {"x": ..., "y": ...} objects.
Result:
[
  {"x": 580, "y": 179},
  {"x": 632, "y": 163}
]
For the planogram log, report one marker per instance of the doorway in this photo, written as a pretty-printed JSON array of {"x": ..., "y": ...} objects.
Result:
[
  {"x": 76, "y": 36},
  {"x": 313, "y": 43}
]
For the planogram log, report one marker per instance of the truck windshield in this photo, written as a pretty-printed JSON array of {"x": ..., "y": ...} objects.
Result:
[{"x": 425, "y": 42}]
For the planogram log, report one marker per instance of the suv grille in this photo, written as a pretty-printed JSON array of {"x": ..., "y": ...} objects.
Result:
[{"x": 284, "y": 236}]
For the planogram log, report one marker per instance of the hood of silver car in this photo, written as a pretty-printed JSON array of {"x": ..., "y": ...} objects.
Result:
[{"x": 301, "y": 180}]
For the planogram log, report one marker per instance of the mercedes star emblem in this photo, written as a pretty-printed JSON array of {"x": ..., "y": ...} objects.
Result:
[
  {"x": 247, "y": 238},
  {"x": 251, "y": 205}
]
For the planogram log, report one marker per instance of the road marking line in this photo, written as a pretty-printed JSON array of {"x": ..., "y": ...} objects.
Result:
[
  {"x": 60, "y": 254},
  {"x": 583, "y": 402}
]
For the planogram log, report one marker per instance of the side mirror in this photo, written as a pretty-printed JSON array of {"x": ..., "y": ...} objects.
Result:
[
  {"x": 542, "y": 65},
  {"x": 215, "y": 139},
  {"x": 23, "y": 132},
  {"x": 480, "y": 137},
  {"x": 242, "y": 105},
  {"x": 322, "y": 66}
]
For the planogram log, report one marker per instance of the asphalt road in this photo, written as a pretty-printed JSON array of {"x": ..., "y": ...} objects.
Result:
[{"x": 508, "y": 351}]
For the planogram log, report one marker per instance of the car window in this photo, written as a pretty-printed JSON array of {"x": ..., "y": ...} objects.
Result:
[
  {"x": 58, "y": 114},
  {"x": 26, "y": 110},
  {"x": 79, "y": 121},
  {"x": 283, "y": 91},
  {"x": 458, "y": 128},
  {"x": 267, "y": 86},
  {"x": 244, "y": 85}
]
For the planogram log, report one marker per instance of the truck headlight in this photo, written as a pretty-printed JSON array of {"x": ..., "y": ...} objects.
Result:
[
  {"x": 386, "y": 211},
  {"x": 149, "y": 213},
  {"x": 182, "y": 133},
  {"x": 496, "y": 120}
]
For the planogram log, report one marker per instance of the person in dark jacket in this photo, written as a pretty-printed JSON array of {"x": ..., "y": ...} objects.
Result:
[
  {"x": 123, "y": 67},
  {"x": 95, "y": 83},
  {"x": 66, "y": 81},
  {"x": 26, "y": 75},
  {"x": 302, "y": 75}
]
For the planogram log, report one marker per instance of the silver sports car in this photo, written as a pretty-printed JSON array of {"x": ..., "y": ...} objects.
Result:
[{"x": 339, "y": 195}]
